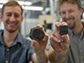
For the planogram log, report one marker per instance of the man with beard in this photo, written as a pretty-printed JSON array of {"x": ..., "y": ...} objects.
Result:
[
  {"x": 68, "y": 48},
  {"x": 14, "y": 48}
]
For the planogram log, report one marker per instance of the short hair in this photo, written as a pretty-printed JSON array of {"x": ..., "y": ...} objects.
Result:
[
  {"x": 59, "y": 3},
  {"x": 12, "y": 3}
]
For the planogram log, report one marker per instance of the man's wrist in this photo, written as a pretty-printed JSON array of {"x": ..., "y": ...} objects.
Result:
[{"x": 40, "y": 52}]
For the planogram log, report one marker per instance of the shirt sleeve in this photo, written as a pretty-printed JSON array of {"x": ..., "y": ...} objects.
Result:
[{"x": 30, "y": 53}]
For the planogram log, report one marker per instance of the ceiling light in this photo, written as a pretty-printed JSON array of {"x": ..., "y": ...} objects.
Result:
[
  {"x": 32, "y": 8},
  {"x": 24, "y": 3}
]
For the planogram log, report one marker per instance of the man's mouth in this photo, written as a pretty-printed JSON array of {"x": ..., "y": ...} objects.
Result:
[
  {"x": 69, "y": 19},
  {"x": 11, "y": 23}
]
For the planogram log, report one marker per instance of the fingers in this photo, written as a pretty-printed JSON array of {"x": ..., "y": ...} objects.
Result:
[
  {"x": 65, "y": 44},
  {"x": 59, "y": 42},
  {"x": 55, "y": 43},
  {"x": 40, "y": 26},
  {"x": 55, "y": 40},
  {"x": 44, "y": 41},
  {"x": 45, "y": 37},
  {"x": 39, "y": 46},
  {"x": 64, "y": 23},
  {"x": 57, "y": 24},
  {"x": 58, "y": 36},
  {"x": 56, "y": 33},
  {"x": 34, "y": 44}
]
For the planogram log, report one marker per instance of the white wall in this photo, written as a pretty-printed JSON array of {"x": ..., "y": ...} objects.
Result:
[{"x": 27, "y": 25}]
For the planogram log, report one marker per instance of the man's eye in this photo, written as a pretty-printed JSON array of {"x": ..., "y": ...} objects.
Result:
[
  {"x": 63, "y": 12},
  {"x": 8, "y": 14},
  {"x": 70, "y": 11},
  {"x": 16, "y": 15}
]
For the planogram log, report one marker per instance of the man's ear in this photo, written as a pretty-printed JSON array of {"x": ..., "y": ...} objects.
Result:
[
  {"x": 22, "y": 19},
  {"x": 81, "y": 10},
  {"x": 1, "y": 17}
]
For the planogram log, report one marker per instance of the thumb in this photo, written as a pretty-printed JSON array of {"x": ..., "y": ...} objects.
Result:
[
  {"x": 65, "y": 44},
  {"x": 35, "y": 45},
  {"x": 57, "y": 24}
]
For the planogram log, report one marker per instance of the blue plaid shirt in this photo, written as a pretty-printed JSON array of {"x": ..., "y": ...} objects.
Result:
[{"x": 20, "y": 50}]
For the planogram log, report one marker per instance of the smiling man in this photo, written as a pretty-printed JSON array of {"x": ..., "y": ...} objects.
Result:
[
  {"x": 14, "y": 48},
  {"x": 68, "y": 48}
]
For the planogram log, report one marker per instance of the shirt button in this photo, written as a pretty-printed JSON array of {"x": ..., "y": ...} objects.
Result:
[
  {"x": 81, "y": 61},
  {"x": 79, "y": 40},
  {"x": 7, "y": 49},
  {"x": 80, "y": 50},
  {"x": 6, "y": 61}
]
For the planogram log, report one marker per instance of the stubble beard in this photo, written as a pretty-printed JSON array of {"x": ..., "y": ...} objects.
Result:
[
  {"x": 73, "y": 25},
  {"x": 11, "y": 31}
]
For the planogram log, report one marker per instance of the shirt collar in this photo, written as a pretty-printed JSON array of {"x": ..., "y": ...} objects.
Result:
[
  {"x": 70, "y": 32},
  {"x": 17, "y": 40},
  {"x": 1, "y": 38}
]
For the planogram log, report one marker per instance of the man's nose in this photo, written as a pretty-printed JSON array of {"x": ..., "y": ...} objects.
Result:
[
  {"x": 12, "y": 18},
  {"x": 67, "y": 15}
]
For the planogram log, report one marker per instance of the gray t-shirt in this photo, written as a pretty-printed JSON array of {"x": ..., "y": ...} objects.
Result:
[{"x": 76, "y": 50}]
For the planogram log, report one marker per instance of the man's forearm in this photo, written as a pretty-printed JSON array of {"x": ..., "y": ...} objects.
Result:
[
  {"x": 41, "y": 57},
  {"x": 53, "y": 57}
]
